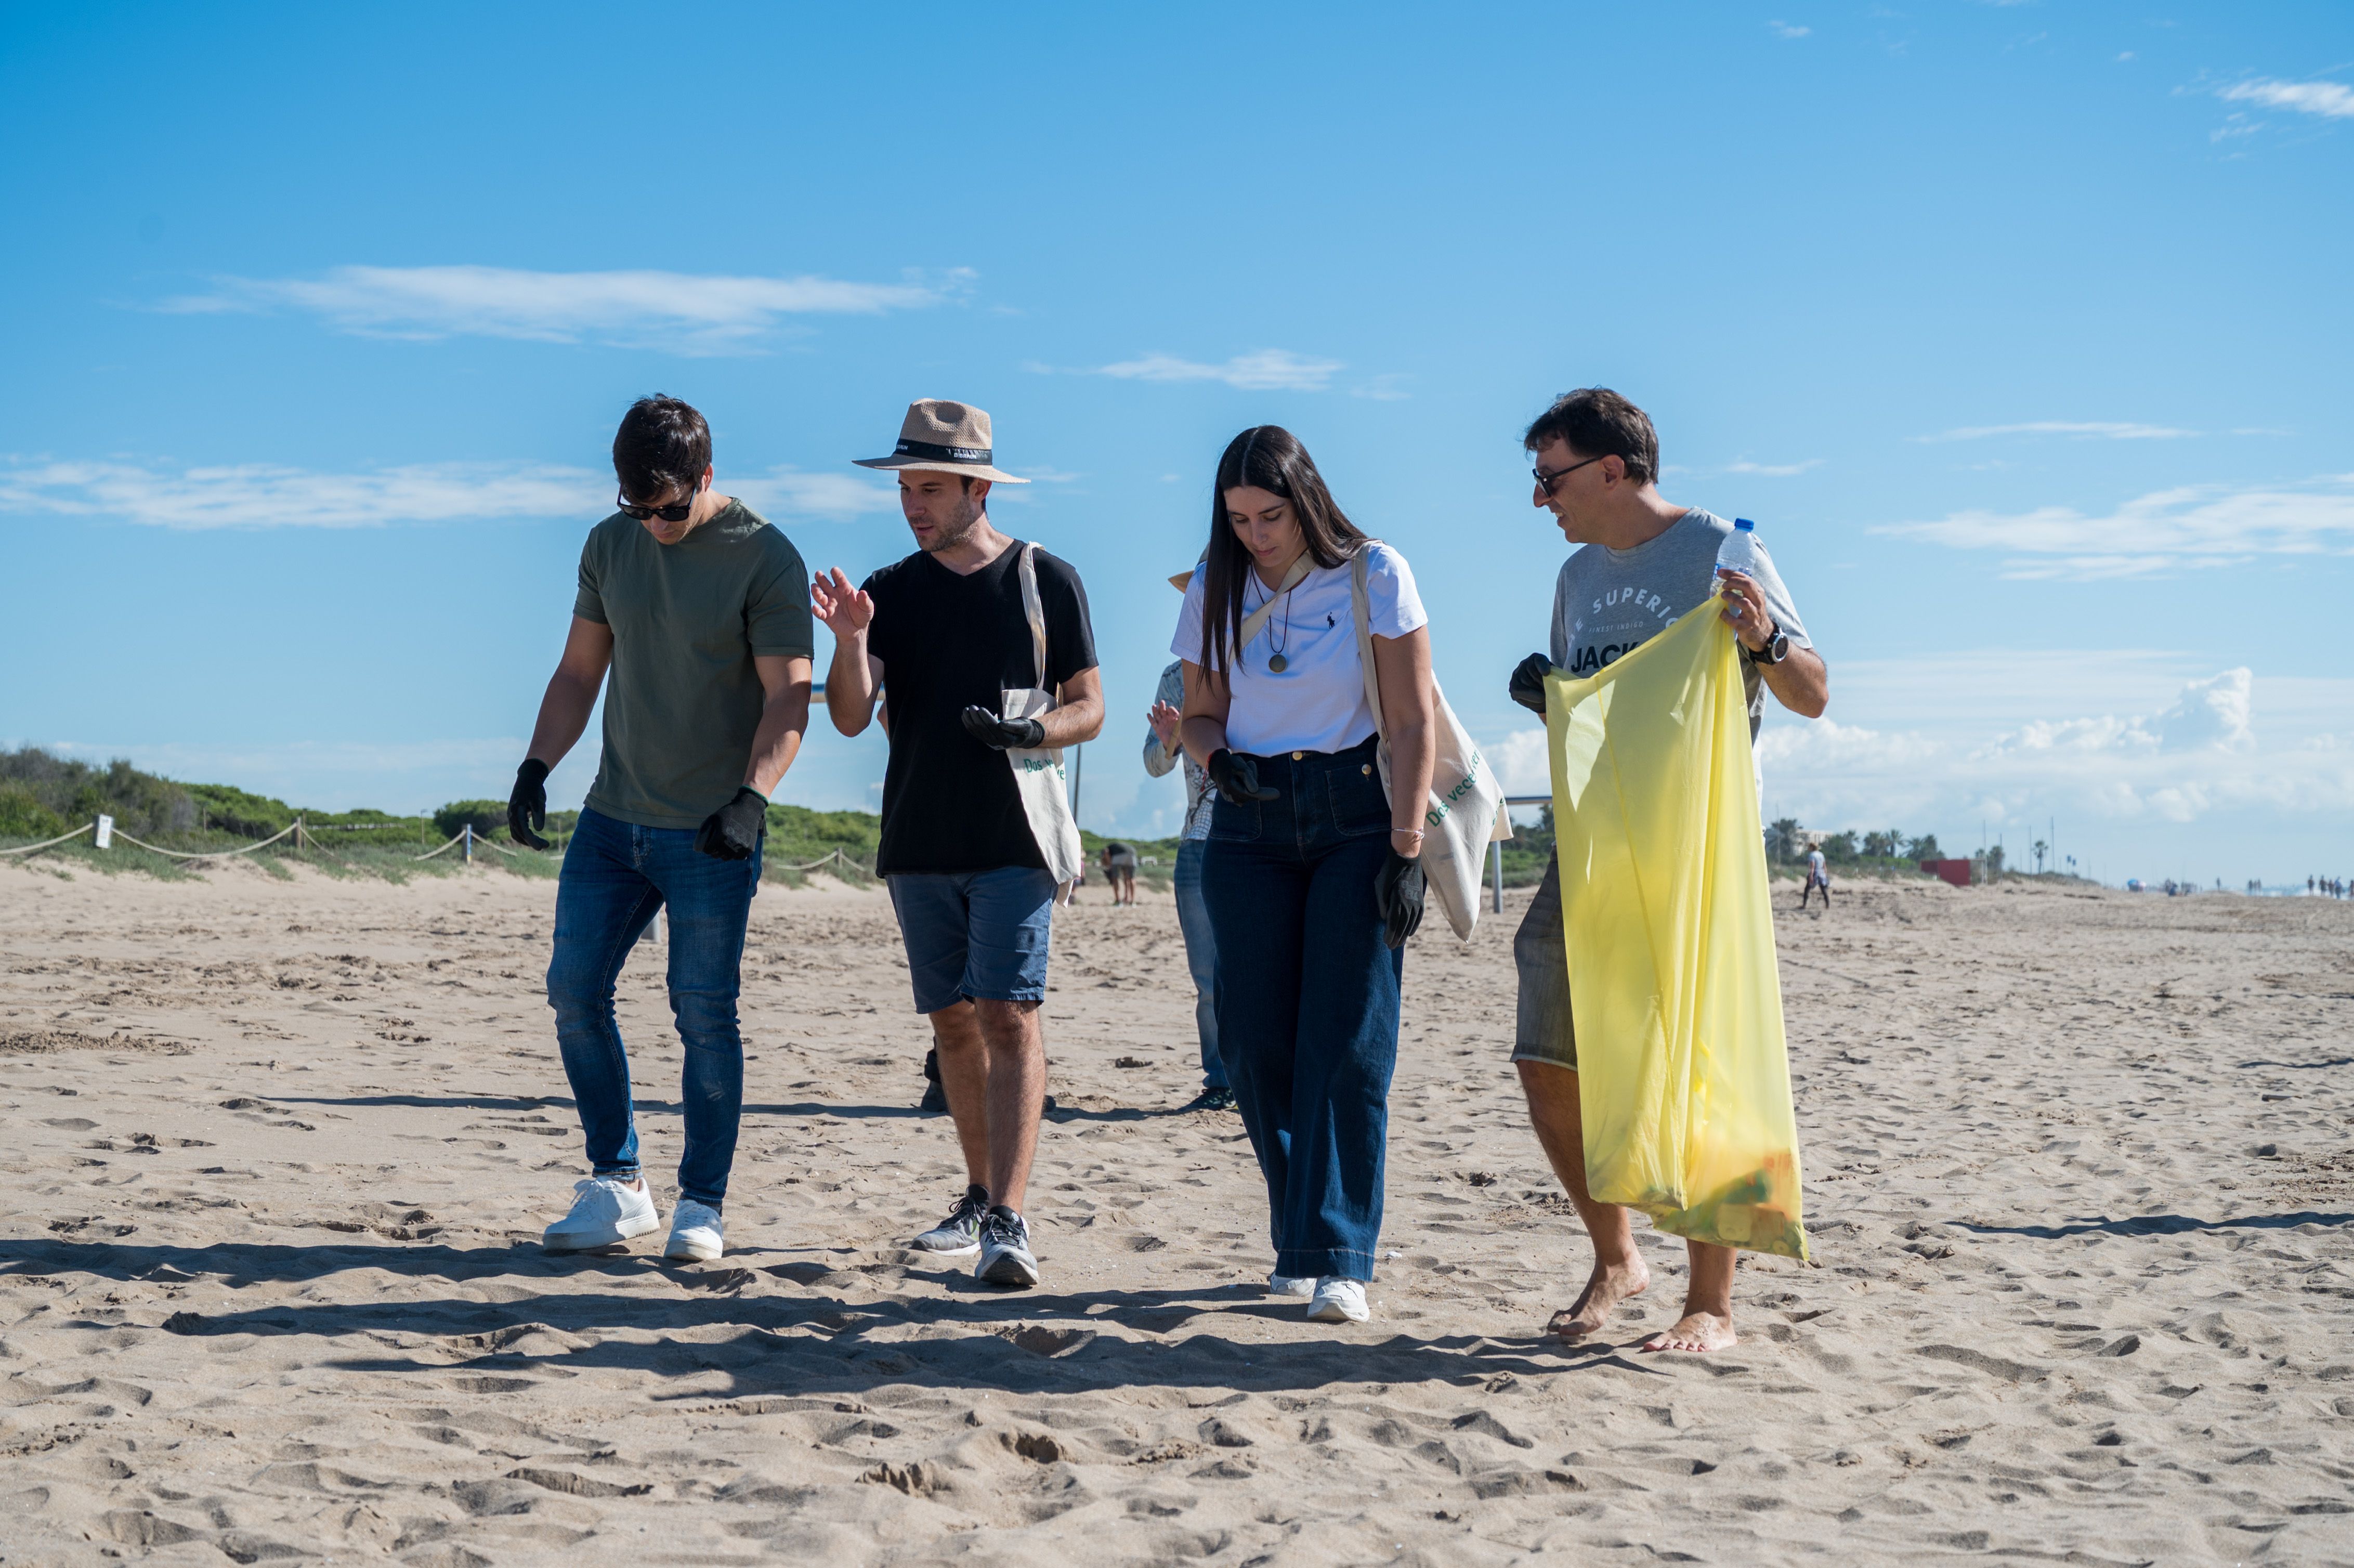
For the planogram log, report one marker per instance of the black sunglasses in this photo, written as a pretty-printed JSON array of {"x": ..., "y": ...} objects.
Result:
[
  {"x": 1545, "y": 481},
  {"x": 672, "y": 514}
]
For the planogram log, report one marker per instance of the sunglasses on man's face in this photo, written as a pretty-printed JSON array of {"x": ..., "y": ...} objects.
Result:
[
  {"x": 1545, "y": 481},
  {"x": 675, "y": 512}
]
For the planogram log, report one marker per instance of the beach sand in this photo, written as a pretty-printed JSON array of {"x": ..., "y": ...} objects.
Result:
[{"x": 278, "y": 1155}]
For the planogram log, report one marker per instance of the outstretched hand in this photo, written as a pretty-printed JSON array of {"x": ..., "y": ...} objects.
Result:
[
  {"x": 1003, "y": 734},
  {"x": 1163, "y": 718},
  {"x": 847, "y": 611}
]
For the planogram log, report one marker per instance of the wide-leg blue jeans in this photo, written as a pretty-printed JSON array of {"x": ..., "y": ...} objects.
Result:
[
  {"x": 1308, "y": 999},
  {"x": 616, "y": 874},
  {"x": 1201, "y": 957}
]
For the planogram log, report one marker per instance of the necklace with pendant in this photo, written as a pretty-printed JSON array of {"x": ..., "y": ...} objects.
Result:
[{"x": 1276, "y": 663}]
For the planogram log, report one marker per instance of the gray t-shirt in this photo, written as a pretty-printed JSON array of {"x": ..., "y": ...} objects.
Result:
[
  {"x": 684, "y": 701},
  {"x": 1607, "y": 602}
]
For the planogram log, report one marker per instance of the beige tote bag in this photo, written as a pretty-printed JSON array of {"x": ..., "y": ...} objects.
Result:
[
  {"x": 1038, "y": 775},
  {"x": 1466, "y": 809}
]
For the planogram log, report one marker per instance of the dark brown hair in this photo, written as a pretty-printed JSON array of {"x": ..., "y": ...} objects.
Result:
[
  {"x": 1270, "y": 458},
  {"x": 1597, "y": 422},
  {"x": 662, "y": 445}
]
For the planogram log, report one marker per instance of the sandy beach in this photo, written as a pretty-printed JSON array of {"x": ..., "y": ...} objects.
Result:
[{"x": 278, "y": 1154}]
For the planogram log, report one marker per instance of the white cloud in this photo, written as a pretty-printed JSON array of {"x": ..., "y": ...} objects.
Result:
[
  {"x": 1773, "y": 469},
  {"x": 1787, "y": 30},
  {"x": 2108, "y": 430},
  {"x": 2156, "y": 534},
  {"x": 788, "y": 491},
  {"x": 685, "y": 312},
  {"x": 1261, "y": 370},
  {"x": 263, "y": 495},
  {"x": 2330, "y": 99}
]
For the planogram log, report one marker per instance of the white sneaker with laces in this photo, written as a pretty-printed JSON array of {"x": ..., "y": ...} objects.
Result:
[
  {"x": 604, "y": 1211},
  {"x": 1300, "y": 1285},
  {"x": 1338, "y": 1300},
  {"x": 695, "y": 1233}
]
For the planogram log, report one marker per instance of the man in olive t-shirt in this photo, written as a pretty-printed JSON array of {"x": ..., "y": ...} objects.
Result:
[{"x": 701, "y": 612}]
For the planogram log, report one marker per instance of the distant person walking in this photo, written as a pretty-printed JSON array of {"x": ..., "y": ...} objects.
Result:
[
  {"x": 1162, "y": 752},
  {"x": 700, "y": 610},
  {"x": 1644, "y": 563},
  {"x": 1311, "y": 874},
  {"x": 1818, "y": 875},
  {"x": 1120, "y": 870},
  {"x": 971, "y": 617}
]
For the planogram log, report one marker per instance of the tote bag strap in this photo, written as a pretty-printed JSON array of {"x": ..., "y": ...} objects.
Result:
[
  {"x": 1036, "y": 610},
  {"x": 1256, "y": 619},
  {"x": 1360, "y": 604}
]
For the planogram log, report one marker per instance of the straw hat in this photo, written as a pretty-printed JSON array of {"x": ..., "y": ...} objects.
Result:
[
  {"x": 1182, "y": 580},
  {"x": 941, "y": 437}
]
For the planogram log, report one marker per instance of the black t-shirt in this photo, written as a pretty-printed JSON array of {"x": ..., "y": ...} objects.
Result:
[{"x": 947, "y": 642}]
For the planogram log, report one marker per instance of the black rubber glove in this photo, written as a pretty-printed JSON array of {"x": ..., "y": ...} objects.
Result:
[
  {"x": 1004, "y": 734},
  {"x": 1236, "y": 778},
  {"x": 528, "y": 806},
  {"x": 1398, "y": 890},
  {"x": 1527, "y": 684},
  {"x": 733, "y": 832}
]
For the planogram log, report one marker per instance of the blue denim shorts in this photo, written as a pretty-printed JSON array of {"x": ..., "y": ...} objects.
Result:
[{"x": 975, "y": 935}]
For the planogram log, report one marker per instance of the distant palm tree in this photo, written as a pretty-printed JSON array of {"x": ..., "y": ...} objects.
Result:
[{"x": 1782, "y": 840}]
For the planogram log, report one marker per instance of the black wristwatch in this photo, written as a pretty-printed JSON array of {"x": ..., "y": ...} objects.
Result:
[{"x": 1777, "y": 649}]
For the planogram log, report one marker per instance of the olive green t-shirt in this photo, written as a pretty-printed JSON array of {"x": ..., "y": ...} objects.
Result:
[{"x": 683, "y": 700}]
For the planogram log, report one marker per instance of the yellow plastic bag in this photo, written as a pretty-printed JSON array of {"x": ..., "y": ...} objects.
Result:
[{"x": 1683, "y": 1074}]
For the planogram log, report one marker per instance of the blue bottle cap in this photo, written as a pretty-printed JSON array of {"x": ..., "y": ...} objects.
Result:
[{"x": 1745, "y": 525}]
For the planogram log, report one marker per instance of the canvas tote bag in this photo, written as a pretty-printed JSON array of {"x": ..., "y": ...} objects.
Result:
[
  {"x": 1038, "y": 775},
  {"x": 1466, "y": 809}
]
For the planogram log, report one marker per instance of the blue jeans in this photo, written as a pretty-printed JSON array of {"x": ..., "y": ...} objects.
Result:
[
  {"x": 1201, "y": 957},
  {"x": 1308, "y": 999},
  {"x": 616, "y": 874}
]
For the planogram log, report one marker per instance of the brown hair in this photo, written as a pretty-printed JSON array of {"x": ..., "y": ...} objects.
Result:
[
  {"x": 1595, "y": 422},
  {"x": 1268, "y": 458}
]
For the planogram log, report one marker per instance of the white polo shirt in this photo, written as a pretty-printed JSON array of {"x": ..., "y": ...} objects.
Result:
[{"x": 1318, "y": 702}]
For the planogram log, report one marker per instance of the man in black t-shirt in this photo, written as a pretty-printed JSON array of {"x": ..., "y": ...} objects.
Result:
[{"x": 949, "y": 630}]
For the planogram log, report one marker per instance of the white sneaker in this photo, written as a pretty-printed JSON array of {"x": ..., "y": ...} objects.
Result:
[
  {"x": 606, "y": 1211},
  {"x": 1302, "y": 1285},
  {"x": 694, "y": 1233},
  {"x": 1338, "y": 1300}
]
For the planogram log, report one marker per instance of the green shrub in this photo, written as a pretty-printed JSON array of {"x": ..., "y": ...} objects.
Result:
[
  {"x": 486, "y": 815},
  {"x": 22, "y": 815}
]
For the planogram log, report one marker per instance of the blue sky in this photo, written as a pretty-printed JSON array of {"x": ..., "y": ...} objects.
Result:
[{"x": 2021, "y": 329}]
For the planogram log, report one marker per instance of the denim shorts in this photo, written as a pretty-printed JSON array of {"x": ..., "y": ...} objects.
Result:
[
  {"x": 975, "y": 935},
  {"x": 1540, "y": 954}
]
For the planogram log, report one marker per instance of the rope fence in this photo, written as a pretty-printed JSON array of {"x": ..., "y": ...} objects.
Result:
[{"x": 465, "y": 840}]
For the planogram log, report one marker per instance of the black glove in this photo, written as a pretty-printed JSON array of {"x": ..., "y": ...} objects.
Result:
[
  {"x": 1397, "y": 891},
  {"x": 1004, "y": 734},
  {"x": 1527, "y": 684},
  {"x": 733, "y": 832},
  {"x": 1236, "y": 778},
  {"x": 528, "y": 806}
]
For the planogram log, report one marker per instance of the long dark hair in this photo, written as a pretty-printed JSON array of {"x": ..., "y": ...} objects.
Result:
[{"x": 1270, "y": 458}]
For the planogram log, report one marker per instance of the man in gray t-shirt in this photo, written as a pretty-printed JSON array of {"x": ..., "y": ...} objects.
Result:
[{"x": 1645, "y": 562}]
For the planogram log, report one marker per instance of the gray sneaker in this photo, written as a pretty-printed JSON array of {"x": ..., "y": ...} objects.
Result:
[
  {"x": 959, "y": 1235},
  {"x": 1005, "y": 1255}
]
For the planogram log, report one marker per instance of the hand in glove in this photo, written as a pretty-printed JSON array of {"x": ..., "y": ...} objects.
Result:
[
  {"x": 1398, "y": 893},
  {"x": 1236, "y": 778},
  {"x": 1004, "y": 734},
  {"x": 1527, "y": 684},
  {"x": 733, "y": 832},
  {"x": 528, "y": 806}
]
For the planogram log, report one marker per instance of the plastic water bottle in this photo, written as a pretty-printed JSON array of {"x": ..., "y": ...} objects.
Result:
[{"x": 1739, "y": 552}]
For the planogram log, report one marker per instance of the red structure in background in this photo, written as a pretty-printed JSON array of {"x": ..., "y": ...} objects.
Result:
[{"x": 1956, "y": 871}]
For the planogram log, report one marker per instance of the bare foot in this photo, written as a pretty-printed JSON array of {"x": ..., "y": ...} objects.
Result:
[
  {"x": 1698, "y": 1333},
  {"x": 1610, "y": 1285}
]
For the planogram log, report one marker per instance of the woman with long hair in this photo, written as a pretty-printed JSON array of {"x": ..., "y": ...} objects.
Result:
[{"x": 1310, "y": 873}]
